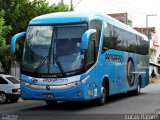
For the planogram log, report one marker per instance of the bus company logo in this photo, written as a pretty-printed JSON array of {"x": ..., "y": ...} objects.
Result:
[
  {"x": 113, "y": 58},
  {"x": 34, "y": 80},
  {"x": 57, "y": 80}
]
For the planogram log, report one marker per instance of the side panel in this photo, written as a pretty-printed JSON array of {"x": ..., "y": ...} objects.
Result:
[
  {"x": 112, "y": 64},
  {"x": 123, "y": 70}
]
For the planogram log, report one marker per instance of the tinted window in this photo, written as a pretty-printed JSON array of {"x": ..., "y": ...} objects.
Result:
[
  {"x": 13, "y": 80},
  {"x": 110, "y": 38},
  {"x": 3, "y": 81},
  {"x": 119, "y": 39}
]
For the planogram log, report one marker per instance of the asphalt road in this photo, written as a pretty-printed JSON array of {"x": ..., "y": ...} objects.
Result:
[{"x": 119, "y": 107}]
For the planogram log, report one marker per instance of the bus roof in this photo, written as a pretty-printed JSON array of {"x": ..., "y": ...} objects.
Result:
[
  {"x": 75, "y": 17},
  {"x": 62, "y": 17}
]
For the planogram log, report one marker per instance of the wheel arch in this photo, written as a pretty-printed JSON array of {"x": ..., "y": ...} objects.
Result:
[
  {"x": 106, "y": 80},
  {"x": 3, "y": 92}
]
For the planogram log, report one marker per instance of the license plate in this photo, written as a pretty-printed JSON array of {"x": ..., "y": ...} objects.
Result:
[{"x": 48, "y": 95}]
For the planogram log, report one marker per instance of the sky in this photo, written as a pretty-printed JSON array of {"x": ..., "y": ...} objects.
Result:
[{"x": 137, "y": 9}]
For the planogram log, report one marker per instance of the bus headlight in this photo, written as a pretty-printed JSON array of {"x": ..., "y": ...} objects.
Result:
[
  {"x": 25, "y": 83},
  {"x": 78, "y": 82}
]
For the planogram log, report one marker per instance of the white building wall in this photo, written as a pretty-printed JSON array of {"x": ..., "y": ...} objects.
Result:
[
  {"x": 154, "y": 54},
  {"x": 15, "y": 69}
]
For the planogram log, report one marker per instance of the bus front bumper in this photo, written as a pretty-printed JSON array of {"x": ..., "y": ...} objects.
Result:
[{"x": 76, "y": 93}]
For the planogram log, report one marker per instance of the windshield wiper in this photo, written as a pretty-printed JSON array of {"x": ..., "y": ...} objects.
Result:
[
  {"x": 59, "y": 64},
  {"x": 40, "y": 64}
]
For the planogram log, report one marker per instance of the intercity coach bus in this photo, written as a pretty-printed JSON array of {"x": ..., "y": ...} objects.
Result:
[{"x": 72, "y": 56}]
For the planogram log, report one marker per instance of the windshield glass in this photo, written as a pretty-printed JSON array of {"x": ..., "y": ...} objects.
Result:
[{"x": 53, "y": 49}]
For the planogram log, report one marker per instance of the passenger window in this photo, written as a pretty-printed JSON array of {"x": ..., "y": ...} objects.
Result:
[{"x": 2, "y": 81}]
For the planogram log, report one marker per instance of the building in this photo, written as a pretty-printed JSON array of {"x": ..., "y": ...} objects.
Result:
[
  {"x": 122, "y": 17},
  {"x": 154, "y": 58},
  {"x": 150, "y": 32},
  {"x": 147, "y": 31}
]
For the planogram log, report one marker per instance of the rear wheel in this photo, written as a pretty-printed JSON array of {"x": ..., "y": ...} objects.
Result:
[
  {"x": 3, "y": 97},
  {"x": 138, "y": 89},
  {"x": 104, "y": 93}
]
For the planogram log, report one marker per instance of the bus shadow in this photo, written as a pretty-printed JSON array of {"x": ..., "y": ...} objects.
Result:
[
  {"x": 78, "y": 106},
  {"x": 122, "y": 96},
  {"x": 63, "y": 107}
]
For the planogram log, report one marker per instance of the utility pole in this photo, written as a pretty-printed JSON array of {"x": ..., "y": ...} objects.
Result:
[
  {"x": 71, "y": 5},
  {"x": 62, "y": 1}
]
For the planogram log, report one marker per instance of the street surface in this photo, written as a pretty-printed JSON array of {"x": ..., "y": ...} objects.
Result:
[{"x": 117, "y": 107}]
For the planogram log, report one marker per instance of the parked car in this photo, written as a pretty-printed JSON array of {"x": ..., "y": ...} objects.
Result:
[{"x": 9, "y": 88}]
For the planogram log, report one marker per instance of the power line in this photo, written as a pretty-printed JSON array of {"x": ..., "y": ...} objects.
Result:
[{"x": 78, "y": 3}]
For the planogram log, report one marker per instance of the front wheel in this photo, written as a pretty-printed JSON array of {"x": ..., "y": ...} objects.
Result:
[
  {"x": 3, "y": 97},
  {"x": 102, "y": 100}
]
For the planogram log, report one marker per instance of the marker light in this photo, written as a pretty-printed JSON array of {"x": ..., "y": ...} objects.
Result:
[{"x": 25, "y": 83}]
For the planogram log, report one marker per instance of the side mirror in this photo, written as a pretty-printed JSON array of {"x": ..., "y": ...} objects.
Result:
[
  {"x": 14, "y": 39},
  {"x": 85, "y": 38}
]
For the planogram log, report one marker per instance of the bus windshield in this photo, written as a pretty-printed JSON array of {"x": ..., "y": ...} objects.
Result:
[{"x": 53, "y": 49}]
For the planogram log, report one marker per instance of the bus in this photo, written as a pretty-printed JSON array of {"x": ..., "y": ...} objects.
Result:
[{"x": 75, "y": 56}]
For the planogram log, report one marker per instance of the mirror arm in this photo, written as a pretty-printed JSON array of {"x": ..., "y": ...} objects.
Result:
[
  {"x": 86, "y": 37},
  {"x": 14, "y": 39}
]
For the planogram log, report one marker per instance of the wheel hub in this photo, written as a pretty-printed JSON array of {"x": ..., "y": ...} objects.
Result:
[{"x": 2, "y": 98}]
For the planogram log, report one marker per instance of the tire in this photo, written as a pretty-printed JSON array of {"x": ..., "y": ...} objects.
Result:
[
  {"x": 138, "y": 89},
  {"x": 104, "y": 93},
  {"x": 50, "y": 102},
  {"x": 3, "y": 97}
]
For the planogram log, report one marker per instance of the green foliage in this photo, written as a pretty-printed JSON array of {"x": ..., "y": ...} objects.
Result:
[
  {"x": 61, "y": 7},
  {"x": 20, "y": 12},
  {"x": 16, "y": 14},
  {"x": 5, "y": 54}
]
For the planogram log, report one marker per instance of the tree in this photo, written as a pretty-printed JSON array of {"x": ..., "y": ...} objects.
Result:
[
  {"x": 18, "y": 13},
  {"x": 5, "y": 54}
]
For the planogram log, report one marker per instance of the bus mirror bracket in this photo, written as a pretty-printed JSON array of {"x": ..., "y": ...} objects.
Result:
[
  {"x": 86, "y": 37},
  {"x": 14, "y": 39}
]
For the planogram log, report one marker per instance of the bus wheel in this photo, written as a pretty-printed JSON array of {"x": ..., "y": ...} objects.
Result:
[
  {"x": 102, "y": 100},
  {"x": 51, "y": 102},
  {"x": 138, "y": 89}
]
